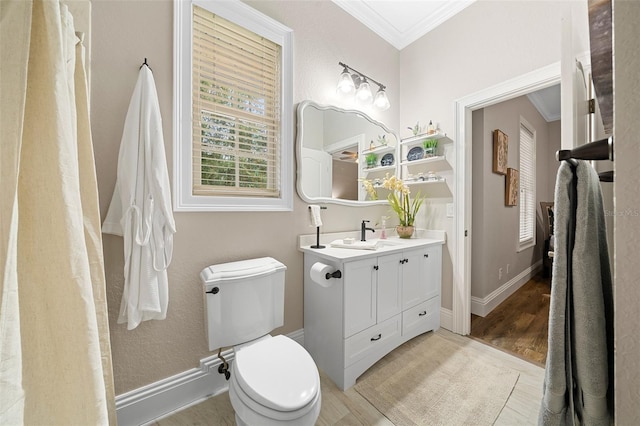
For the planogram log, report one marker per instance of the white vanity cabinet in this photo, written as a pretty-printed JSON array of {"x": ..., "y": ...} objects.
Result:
[{"x": 382, "y": 299}]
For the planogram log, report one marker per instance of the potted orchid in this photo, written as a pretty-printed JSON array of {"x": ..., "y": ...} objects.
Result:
[{"x": 402, "y": 204}]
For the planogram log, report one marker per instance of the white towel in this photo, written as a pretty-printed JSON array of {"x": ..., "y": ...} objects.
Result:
[
  {"x": 316, "y": 219},
  {"x": 140, "y": 209}
]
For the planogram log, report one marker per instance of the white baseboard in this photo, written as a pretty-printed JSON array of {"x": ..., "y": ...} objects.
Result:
[
  {"x": 485, "y": 305},
  {"x": 446, "y": 318},
  {"x": 160, "y": 399}
]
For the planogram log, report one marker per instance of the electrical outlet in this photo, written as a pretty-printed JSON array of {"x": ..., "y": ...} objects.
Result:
[
  {"x": 508, "y": 269},
  {"x": 499, "y": 273}
]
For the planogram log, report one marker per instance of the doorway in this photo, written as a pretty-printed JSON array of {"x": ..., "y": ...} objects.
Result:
[
  {"x": 462, "y": 233},
  {"x": 509, "y": 293}
]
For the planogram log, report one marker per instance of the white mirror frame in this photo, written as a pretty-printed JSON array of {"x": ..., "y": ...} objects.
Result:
[{"x": 300, "y": 126}]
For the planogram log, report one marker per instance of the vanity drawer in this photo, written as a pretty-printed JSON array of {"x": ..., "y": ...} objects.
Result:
[
  {"x": 372, "y": 340},
  {"x": 422, "y": 317}
]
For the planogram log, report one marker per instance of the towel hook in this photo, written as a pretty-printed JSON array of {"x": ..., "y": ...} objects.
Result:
[{"x": 145, "y": 63}]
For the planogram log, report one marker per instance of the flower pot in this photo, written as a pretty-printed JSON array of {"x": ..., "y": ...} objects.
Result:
[
  {"x": 404, "y": 231},
  {"x": 430, "y": 152}
]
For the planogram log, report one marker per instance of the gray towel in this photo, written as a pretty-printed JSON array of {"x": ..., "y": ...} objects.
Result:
[{"x": 592, "y": 309}]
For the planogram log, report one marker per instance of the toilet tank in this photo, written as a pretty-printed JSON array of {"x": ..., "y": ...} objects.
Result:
[{"x": 243, "y": 300}]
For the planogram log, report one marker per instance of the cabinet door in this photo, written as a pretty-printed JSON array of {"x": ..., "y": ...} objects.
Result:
[
  {"x": 421, "y": 275},
  {"x": 432, "y": 271},
  {"x": 359, "y": 295},
  {"x": 389, "y": 288}
]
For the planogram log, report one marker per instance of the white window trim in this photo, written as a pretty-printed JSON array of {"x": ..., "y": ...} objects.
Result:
[
  {"x": 530, "y": 242},
  {"x": 241, "y": 14}
]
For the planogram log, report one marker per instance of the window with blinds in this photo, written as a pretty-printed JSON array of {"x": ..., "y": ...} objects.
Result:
[
  {"x": 233, "y": 108},
  {"x": 236, "y": 109},
  {"x": 527, "y": 173}
]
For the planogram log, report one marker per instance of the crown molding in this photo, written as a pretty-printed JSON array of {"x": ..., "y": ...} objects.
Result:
[{"x": 365, "y": 12}]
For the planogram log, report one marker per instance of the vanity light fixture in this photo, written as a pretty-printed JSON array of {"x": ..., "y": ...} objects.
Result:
[{"x": 352, "y": 82}]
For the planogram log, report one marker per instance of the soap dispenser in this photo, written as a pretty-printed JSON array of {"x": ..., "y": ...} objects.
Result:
[{"x": 383, "y": 231}]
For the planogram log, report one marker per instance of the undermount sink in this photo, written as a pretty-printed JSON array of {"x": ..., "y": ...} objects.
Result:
[
  {"x": 371, "y": 244},
  {"x": 386, "y": 243}
]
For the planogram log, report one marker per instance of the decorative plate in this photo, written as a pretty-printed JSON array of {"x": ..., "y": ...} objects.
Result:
[
  {"x": 415, "y": 153},
  {"x": 387, "y": 160}
]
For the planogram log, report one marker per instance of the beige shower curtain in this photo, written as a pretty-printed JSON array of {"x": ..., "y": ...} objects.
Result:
[{"x": 55, "y": 359}]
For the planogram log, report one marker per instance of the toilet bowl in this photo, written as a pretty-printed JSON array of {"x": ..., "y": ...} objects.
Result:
[{"x": 274, "y": 382}]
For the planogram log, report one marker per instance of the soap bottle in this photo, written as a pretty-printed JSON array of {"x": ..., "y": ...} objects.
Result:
[
  {"x": 431, "y": 128},
  {"x": 383, "y": 231}
]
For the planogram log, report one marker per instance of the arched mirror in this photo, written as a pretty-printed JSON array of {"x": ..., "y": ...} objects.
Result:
[{"x": 337, "y": 149}]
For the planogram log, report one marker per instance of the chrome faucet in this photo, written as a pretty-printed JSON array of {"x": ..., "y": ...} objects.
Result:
[{"x": 364, "y": 229}]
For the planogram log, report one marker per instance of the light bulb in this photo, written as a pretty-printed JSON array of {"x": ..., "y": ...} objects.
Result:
[
  {"x": 345, "y": 84},
  {"x": 363, "y": 94},
  {"x": 381, "y": 101}
]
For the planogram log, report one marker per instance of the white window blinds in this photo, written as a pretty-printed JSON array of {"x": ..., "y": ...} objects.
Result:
[
  {"x": 527, "y": 186},
  {"x": 236, "y": 109}
]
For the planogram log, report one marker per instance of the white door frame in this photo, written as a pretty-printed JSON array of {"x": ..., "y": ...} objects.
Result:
[{"x": 527, "y": 83}]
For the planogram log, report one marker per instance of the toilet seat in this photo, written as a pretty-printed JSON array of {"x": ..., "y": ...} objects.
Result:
[
  {"x": 278, "y": 374},
  {"x": 249, "y": 412}
]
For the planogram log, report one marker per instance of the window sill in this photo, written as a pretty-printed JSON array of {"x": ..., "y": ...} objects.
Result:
[{"x": 525, "y": 245}]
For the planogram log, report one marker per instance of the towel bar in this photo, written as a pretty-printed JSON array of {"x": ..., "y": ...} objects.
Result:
[{"x": 598, "y": 150}]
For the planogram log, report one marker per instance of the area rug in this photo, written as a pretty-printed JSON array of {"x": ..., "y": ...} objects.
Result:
[{"x": 437, "y": 382}]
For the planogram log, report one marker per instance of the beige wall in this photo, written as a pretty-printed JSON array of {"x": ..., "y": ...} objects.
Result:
[
  {"x": 124, "y": 33},
  {"x": 487, "y": 43},
  {"x": 495, "y": 226},
  {"x": 626, "y": 80}
]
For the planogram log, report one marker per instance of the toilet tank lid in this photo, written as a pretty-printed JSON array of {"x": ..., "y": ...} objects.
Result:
[{"x": 240, "y": 270}]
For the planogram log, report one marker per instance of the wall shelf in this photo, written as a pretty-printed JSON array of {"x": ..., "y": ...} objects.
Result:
[
  {"x": 409, "y": 170},
  {"x": 379, "y": 150},
  {"x": 440, "y": 179},
  {"x": 378, "y": 169},
  {"x": 421, "y": 137},
  {"x": 435, "y": 159}
]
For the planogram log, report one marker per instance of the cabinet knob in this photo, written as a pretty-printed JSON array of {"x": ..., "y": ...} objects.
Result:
[
  {"x": 378, "y": 337},
  {"x": 423, "y": 313},
  {"x": 375, "y": 267},
  {"x": 426, "y": 255}
]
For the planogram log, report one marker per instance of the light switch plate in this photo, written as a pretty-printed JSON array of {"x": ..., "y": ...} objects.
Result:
[{"x": 449, "y": 209}]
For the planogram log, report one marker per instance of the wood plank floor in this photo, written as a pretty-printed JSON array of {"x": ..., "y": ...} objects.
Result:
[
  {"x": 519, "y": 325},
  {"x": 350, "y": 408}
]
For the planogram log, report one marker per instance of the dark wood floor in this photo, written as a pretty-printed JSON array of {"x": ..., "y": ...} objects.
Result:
[{"x": 519, "y": 325}]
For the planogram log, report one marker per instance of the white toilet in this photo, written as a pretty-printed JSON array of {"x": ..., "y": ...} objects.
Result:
[{"x": 274, "y": 380}]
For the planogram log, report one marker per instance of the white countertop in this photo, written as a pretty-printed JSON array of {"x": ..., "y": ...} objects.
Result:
[{"x": 392, "y": 244}]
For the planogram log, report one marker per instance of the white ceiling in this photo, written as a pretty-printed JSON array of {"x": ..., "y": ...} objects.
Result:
[
  {"x": 547, "y": 101},
  {"x": 401, "y": 22}
]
